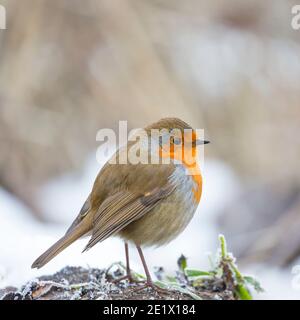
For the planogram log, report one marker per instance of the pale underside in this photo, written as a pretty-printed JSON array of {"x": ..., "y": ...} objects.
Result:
[{"x": 168, "y": 218}]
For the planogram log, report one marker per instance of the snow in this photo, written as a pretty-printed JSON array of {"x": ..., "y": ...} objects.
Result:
[{"x": 23, "y": 239}]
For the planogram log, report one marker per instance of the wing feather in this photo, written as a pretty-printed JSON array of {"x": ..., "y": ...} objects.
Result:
[{"x": 122, "y": 208}]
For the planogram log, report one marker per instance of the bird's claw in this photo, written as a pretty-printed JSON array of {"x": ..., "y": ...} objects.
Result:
[{"x": 151, "y": 285}]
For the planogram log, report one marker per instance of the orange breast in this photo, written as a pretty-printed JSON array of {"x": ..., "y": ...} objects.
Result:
[
  {"x": 191, "y": 166},
  {"x": 194, "y": 171}
]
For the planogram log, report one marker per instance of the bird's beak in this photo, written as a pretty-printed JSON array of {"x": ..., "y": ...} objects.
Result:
[{"x": 201, "y": 142}]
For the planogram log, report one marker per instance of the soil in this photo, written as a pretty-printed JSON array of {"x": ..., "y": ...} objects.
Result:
[{"x": 77, "y": 283}]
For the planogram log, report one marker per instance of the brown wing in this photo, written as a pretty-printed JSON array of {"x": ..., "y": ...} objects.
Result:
[
  {"x": 139, "y": 179},
  {"x": 121, "y": 209}
]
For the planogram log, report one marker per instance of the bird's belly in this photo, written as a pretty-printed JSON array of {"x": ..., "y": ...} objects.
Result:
[{"x": 166, "y": 221}]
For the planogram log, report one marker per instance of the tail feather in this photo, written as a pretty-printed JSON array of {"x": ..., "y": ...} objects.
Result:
[{"x": 61, "y": 244}]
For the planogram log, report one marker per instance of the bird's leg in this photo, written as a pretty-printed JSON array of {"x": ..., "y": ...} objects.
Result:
[
  {"x": 128, "y": 275},
  {"x": 128, "y": 271},
  {"x": 149, "y": 282}
]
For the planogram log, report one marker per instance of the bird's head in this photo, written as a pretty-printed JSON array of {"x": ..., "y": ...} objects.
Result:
[{"x": 175, "y": 138}]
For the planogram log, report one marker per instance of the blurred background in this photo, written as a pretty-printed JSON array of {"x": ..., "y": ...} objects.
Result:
[{"x": 70, "y": 68}]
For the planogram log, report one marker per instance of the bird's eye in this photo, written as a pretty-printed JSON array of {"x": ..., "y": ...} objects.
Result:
[{"x": 175, "y": 140}]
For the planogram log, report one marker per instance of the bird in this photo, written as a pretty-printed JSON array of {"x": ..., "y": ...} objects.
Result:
[{"x": 146, "y": 204}]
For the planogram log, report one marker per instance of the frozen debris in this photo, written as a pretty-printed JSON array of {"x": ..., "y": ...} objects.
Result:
[
  {"x": 8, "y": 293},
  {"x": 77, "y": 283}
]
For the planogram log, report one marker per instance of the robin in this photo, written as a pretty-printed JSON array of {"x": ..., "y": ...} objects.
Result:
[{"x": 145, "y": 204}]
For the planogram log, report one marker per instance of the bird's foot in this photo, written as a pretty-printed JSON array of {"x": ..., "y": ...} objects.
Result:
[{"x": 151, "y": 285}]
